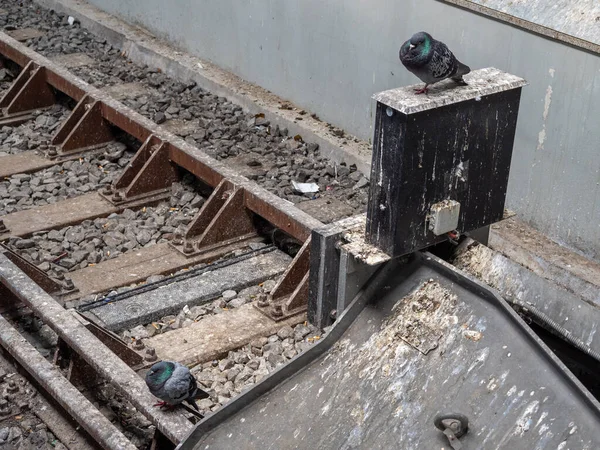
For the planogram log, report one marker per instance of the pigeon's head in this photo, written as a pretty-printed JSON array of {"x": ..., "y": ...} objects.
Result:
[
  {"x": 160, "y": 372},
  {"x": 420, "y": 43}
]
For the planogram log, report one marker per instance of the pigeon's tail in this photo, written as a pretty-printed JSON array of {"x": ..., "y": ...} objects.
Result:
[
  {"x": 192, "y": 402},
  {"x": 460, "y": 71}
]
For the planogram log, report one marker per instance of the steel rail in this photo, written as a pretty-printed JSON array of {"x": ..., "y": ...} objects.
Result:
[
  {"x": 105, "y": 363},
  {"x": 59, "y": 388},
  {"x": 279, "y": 212}
]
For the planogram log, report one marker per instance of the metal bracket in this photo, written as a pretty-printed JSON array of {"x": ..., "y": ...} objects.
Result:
[
  {"x": 290, "y": 295},
  {"x": 85, "y": 129},
  {"x": 149, "y": 175},
  {"x": 223, "y": 220},
  {"x": 29, "y": 92},
  {"x": 37, "y": 275}
]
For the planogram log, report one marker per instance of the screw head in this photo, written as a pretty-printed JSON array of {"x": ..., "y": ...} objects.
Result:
[
  {"x": 12, "y": 386},
  {"x": 52, "y": 151},
  {"x": 178, "y": 239},
  {"x": 333, "y": 314},
  {"x": 107, "y": 190},
  {"x": 138, "y": 344},
  {"x": 117, "y": 197},
  {"x": 2, "y": 226},
  {"x": 188, "y": 247}
]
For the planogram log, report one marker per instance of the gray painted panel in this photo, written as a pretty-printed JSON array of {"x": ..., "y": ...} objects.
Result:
[
  {"x": 576, "y": 18},
  {"x": 331, "y": 57}
]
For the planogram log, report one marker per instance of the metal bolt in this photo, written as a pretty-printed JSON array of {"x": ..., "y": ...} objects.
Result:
[
  {"x": 24, "y": 406},
  {"x": 138, "y": 344},
  {"x": 108, "y": 189},
  {"x": 150, "y": 355},
  {"x": 117, "y": 197},
  {"x": 178, "y": 239},
  {"x": 277, "y": 311},
  {"x": 188, "y": 247},
  {"x": 263, "y": 300},
  {"x": 60, "y": 276},
  {"x": 52, "y": 151},
  {"x": 69, "y": 284},
  {"x": 12, "y": 387},
  {"x": 333, "y": 314},
  {"x": 2, "y": 226}
]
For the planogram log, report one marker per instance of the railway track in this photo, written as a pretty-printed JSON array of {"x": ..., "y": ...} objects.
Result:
[{"x": 143, "y": 218}]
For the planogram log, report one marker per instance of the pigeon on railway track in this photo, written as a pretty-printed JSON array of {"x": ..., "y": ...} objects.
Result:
[
  {"x": 173, "y": 383},
  {"x": 431, "y": 61}
]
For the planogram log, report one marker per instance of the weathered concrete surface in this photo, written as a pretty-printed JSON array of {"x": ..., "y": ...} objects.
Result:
[
  {"x": 547, "y": 259},
  {"x": 60, "y": 214},
  {"x": 214, "y": 336},
  {"x": 374, "y": 390},
  {"x": 514, "y": 281},
  {"x": 22, "y": 163},
  {"x": 168, "y": 299},
  {"x": 331, "y": 63},
  {"x": 481, "y": 82}
]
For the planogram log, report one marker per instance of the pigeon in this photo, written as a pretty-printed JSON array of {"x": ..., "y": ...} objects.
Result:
[
  {"x": 173, "y": 383},
  {"x": 431, "y": 61}
]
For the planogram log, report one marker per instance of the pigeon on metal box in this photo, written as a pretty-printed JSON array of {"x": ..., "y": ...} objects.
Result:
[
  {"x": 431, "y": 61},
  {"x": 173, "y": 383}
]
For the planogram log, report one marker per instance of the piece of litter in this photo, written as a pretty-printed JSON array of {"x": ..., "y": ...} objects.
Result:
[
  {"x": 200, "y": 66},
  {"x": 71, "y": 20},
  {"x": 305, "y": 188}
]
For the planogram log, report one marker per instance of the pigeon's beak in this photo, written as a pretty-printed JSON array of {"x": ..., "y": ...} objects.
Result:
[{"x": 411, "y": 46}]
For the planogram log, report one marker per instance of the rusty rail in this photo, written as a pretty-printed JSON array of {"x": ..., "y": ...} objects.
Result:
[
  {"x": 279, "y": 212},
  {"x": 104, "y": 362},
  {"x": 59, "y": 388}
]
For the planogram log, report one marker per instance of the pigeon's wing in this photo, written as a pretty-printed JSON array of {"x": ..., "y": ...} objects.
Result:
[
  {"x": 443, "y": 63},
  {"x": 177, "y": 389}
]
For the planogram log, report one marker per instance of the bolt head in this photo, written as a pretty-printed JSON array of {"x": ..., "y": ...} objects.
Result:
[
  {"x": 188, "y": 247},
  {"x": 277, "y": 311}
]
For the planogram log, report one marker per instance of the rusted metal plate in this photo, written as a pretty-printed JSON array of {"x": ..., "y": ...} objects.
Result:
[
  {"x": 55, "y": 384},
  {"x": 136, "y": 266},
  {"x": 22, "y": 163},
  {"x": 57, "y": 215},
  {"x": 105, "y": 363},
  {"x": 24, "y": 34},
  {"x": 209, "y": 339}
]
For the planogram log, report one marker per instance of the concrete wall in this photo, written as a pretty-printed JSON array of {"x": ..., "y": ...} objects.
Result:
[{"x": 330, "y": 57}]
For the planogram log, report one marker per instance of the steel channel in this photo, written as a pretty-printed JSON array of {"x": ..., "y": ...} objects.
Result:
[
  {"x": 61, "y": 390},
  {"x": 279, "y": 212},
  {"x": 173, "y": 425}
]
